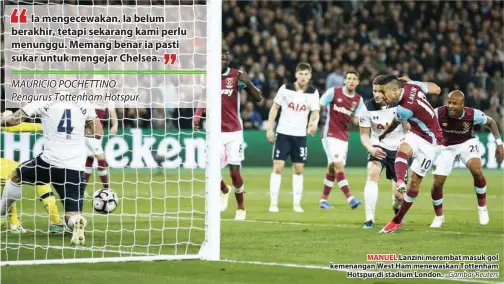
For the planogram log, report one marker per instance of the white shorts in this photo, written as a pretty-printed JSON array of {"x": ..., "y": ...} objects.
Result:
[
  {"x": 94, "y": 147},
  {"x": 336, "y": 150},
  {"x": 232, "y": 147},
  {"x": 450, "y": 154},
  {"x": 424, "y": 153}
]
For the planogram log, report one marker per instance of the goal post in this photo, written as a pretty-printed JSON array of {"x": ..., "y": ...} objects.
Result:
[
  {"x": 167, "y": 178},
  {"x": 211, "y": 247}
]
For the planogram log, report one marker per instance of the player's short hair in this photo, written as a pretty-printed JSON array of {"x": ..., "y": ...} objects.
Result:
[
  {"x": 377, "y": 78},
  {"x": 386, "y": 79},
  {"x": 351, "y": 71},
  {"x": 303, "y": 66}
]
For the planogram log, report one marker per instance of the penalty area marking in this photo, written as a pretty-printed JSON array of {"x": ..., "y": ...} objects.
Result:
[{"x": 320, "y": 267}]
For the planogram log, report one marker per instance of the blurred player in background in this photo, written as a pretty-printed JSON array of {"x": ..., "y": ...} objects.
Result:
[
  {"x": 343, "y": 105},
  {"x": 298, "y": 101},
  {"x": 457, "y": 123},
  {"x": 7, "y": 166},
  {"x": 232, "y": 82},
  {"x": 95, "y": 146},
  {"x": 376, "y": 115},
  {"x": 61, "y": 163},
  {"x": 423, "y": 141}
]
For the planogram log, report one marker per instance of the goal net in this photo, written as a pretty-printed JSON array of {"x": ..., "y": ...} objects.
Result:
[{"x": 165, "y": 55}]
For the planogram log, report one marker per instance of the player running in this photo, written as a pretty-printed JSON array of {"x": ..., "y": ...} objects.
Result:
[
  {"x": 342, "y": 105},
  {"x": 297, "y": 101},
  {"x": 422, "y": 142},
  {"x": 65, "y": 124},
  {"x": 232, "y": 82},
  {"x": 7, "y": 166},
  {"x": 95, "y": 147},
  {"x": 457, "y": 123},
  {"x": 375, "y": 116}
]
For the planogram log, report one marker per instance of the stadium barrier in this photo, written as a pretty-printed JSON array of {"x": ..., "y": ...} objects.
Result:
[{"x": 145, "y": 148}]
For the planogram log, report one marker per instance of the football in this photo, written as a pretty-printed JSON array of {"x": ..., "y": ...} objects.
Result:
[{"x": 105, "y": 201}]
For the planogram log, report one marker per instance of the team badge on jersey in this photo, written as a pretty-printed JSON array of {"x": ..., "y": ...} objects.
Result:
[
  {"x": 467, "y": 126},
  {"x": 354, "y": 105},
  {"x": 229, "y": 82}
]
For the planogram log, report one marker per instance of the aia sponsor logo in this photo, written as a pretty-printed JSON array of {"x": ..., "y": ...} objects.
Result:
[{"x": 297, "y": 107}]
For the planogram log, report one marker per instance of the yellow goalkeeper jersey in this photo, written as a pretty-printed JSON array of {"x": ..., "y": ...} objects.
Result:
[
  {"x": 6, "y": 168},
  {"x": 23, "y": 127}
]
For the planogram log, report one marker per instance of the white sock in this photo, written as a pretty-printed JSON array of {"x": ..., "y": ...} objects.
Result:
[
  {"x": 370, "y": 198},
  {"x": 10, "y": 194},
  {"x": 297, "y": 188},
  {"x": 396, "y": 203},
  {"x": 72, "y": 219},
  {"x": 275, "y": 181}
]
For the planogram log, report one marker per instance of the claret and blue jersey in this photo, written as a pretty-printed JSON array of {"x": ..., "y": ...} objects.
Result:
[
  {"x": 414, "y": 108},
  {"x": 457, "y": 130}
]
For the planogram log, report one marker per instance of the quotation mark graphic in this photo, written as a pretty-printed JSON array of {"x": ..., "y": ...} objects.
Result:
[
  {"x": 21, "y": 19},
  {"x": 170, "y": 58}
]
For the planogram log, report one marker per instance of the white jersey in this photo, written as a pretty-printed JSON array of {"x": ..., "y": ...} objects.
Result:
[
  {"x": 63, "y": 125},
  {"x": 296, "y": 107},
  {"x": 378, "y": 118}
]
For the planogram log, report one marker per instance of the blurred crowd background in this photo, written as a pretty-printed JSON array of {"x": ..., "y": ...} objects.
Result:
[{"x": 456, "y": 44}]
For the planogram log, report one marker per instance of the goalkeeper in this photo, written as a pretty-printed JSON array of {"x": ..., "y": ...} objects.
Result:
[{"x": 7, "y": 166}]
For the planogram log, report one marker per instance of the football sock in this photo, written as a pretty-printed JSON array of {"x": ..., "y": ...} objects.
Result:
[
  {"x": 10, "y": 194},
  {"x": 437, "y": 200},
  {"x": 480, "y": 188},
  {"x": 409, "y": 198},
  {"x": 328, "y": 185},
  {"x": 102, "y": 170},
  {"x": 49, "y": 201},
  {"x": 401, "y": 166},
  {"x": 370, "y": 198},
  {"x": 238, "y": 188},
  {"x": 275, "y": 181},
  {"x": 343, "y": 185},
  {"x": 89, "y": 168},
  {"x": 223, "y": 186},
  {"x": 13, "y": 218},
  {"x": 396, "y": 202},
  {"x": 297, "y": 188}
]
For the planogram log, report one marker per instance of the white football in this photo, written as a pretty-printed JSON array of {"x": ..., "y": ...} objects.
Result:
[{"x": 105, "y": 201}]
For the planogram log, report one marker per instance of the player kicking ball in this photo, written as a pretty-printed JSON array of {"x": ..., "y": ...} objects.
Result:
[
  {"x": 298, "y": 101},
  {"x": 65, "y": 124},
  {"x": 422, "y": 142},
  {"x": 343, "y": 105},
  {"x": 457, "y": 123},
  {"x": 375, "y": 116},
  {"x": 232, "y": 82}
]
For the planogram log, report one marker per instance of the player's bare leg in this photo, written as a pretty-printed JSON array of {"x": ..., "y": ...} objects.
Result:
[
  {"x": 102, "y": 170},
  {"x": 474, "y": 166},
  {"x": 239, "y": 190},
  {"x": 297, "y": 186},
  {"x": 371, "y": 192},
  {"x": 275, "y": 181},
  {"x": 401, "y": 168},
  {"x": 328, "y": 185},
  {"x": 437, "y": 200},
  {"x": 225, "y": 189}
]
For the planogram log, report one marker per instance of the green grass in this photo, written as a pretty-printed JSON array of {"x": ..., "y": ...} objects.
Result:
[{"x": 159, "y": 225}]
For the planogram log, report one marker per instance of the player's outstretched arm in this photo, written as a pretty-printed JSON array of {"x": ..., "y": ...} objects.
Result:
[
  {"x": 93, "y": 129},
  {"x": 366, "y": 142},
  {"x": 270, "y": 134},
  {"x": 499, "y": 152},
  {"x": 391, "y": 127},
  {"x": 252, "y": 90},
  {"x": 427, "y": 87},
  {"x": 14, "y": 119},
  {"x": 23, "y": 127}
]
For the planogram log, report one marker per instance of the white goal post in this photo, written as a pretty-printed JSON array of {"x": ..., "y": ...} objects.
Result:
[{"x": 166, "y": 214}]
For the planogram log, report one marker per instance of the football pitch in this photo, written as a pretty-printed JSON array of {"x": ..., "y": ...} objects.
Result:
[{"x": 284, "y": 247}]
